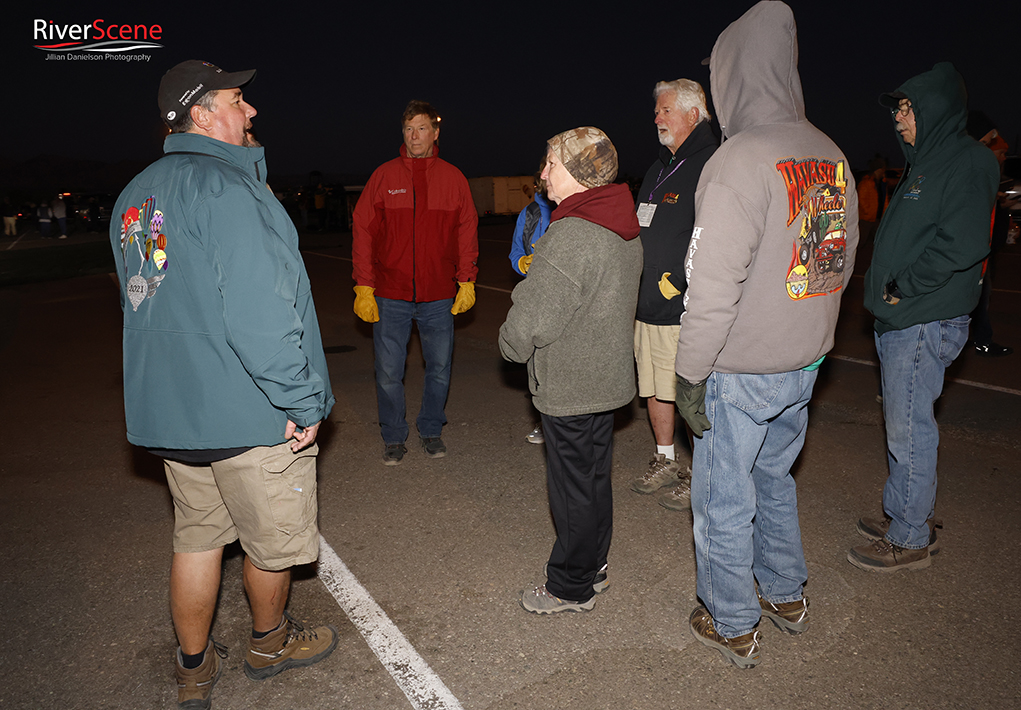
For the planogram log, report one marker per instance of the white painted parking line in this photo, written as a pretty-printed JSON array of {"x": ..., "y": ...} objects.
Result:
[
  {"x": 969, "y": 383},
  {"x": 413, "y": 675}
]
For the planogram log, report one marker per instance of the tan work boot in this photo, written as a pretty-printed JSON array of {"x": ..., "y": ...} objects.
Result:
[
  {"x": 195, "y": 685},
  {"x": 290, "y": 645},
  {"x": 791, "y": 617}
]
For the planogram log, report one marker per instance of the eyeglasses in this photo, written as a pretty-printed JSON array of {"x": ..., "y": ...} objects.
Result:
[{"x": 901, "y": 111}]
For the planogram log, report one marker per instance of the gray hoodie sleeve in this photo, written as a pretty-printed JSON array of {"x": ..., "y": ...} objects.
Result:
[{"x": 717, "y": 266}]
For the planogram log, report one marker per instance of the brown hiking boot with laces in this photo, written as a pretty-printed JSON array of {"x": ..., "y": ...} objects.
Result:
[
  {"x": 195, "y": 685},
  {"x": 290, "y": 645}
]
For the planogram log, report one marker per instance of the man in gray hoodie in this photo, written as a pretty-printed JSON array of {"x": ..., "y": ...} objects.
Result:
[{"x": 776, "y": 227}]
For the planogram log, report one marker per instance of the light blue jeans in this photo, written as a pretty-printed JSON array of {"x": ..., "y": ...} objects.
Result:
[
  {"x": 390, "y": 337},
  {"x": 912, "y": 363},
  {"x": 743, "y": 498}
]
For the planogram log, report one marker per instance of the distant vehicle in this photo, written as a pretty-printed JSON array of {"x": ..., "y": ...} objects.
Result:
[{"x": 1011, "y": 185}]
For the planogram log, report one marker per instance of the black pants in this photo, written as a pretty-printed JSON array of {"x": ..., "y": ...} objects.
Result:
[{"x": 579, "y": 452}]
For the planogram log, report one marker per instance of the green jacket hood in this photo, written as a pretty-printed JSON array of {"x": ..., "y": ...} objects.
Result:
[
  {"x": 753, "y": 70},
  {"x": 940, "y": 101}
]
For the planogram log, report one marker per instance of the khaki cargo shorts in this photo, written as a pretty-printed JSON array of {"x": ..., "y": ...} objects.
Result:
[
  {"x": 265, "y": 497},
  {"x": 655, "y": 352}
]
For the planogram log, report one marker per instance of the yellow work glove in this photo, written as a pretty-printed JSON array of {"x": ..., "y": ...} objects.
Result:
[
  {"x": 465, "y": 297},
  {"x": 525, "y": 262},
  {"x": 365, "y": 304},
  {"x": 666, "y": 288}
]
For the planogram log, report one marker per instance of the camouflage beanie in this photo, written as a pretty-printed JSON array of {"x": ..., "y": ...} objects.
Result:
[{"x": 588, "y": 155}]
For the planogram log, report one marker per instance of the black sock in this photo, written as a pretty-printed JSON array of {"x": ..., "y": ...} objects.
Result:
[
  {"x": 191, "y": 662},
  {"x": 264, "y": 634}
]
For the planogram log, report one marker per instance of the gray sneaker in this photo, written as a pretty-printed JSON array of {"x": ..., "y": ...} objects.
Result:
[
  {"x": 434, "y": 447},
  {"x": 536, "y": 436},
  {"x": 540, "y": 601},
  {"x": 662, "y": 472},
  {"x": 678, "y": 497},
  {"x": 393, "y": 453}
]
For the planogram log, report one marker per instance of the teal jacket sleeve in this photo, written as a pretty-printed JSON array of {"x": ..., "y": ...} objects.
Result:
[{"x": 260, "y": 278}]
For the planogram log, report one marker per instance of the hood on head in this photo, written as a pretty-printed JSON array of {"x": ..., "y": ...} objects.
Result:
[
  {"x": 940, "y": 102},
  {"x": 753, "y": 70}
]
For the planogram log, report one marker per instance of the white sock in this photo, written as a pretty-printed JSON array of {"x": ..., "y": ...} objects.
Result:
[{"x": 668, "y": 450}]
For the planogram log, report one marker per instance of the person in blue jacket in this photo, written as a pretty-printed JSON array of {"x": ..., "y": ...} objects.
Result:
[
  {"x": 224, "y": 372},
  {"x": 531, "y": 225}
]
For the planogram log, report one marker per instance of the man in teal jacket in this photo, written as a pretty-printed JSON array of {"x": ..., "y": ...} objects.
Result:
[
  {"x": 224, "y": 372},
  {"x": 925, "y": 278}
]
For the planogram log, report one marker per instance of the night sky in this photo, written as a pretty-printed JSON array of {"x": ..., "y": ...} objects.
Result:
[{"x": 334, "y": 78}]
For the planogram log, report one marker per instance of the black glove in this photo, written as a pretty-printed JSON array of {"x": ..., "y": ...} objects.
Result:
[{"x": 690, "y": 403}]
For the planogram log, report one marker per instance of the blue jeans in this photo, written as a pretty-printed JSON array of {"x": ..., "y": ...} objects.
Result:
[
  {"x": 743, "y": 498},
  {"x": 390, "y": 338},
  {"x": 912, "y": 364}
]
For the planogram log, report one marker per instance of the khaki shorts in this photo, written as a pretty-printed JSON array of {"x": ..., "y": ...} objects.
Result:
[
  {"x": 655, "y": 352},
  {"x": 266, "y": 497}
]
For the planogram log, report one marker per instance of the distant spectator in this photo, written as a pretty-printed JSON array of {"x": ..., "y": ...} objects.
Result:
[
  {"x": 873, "y": 199},
  {"x": 44, "y": 217},
  {"x": 10, "y": 218},
  {"x": 60, "y": 213}
]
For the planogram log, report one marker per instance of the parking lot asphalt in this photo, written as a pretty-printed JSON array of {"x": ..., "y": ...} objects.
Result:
[{"x": 445, "y": 546}]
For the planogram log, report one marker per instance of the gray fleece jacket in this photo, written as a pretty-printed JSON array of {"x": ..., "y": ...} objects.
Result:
[
  {"x": 776, "y": 215},
  {"x": 572, "y": 319}
]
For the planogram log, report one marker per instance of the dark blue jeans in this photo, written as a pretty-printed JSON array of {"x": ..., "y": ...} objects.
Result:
[{"x": 390, "y": 337}]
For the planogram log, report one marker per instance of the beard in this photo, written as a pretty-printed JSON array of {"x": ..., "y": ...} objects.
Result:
[
  {"x": 666, "y": 138},
  {"x": 250, "y": 141}
]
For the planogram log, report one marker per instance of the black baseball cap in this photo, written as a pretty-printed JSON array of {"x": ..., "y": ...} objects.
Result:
[
  {"x": 892, "y": 99},
  {"x": 189, "y": 81}
]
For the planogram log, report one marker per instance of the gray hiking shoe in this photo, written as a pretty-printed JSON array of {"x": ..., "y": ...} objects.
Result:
[
  {"x": 393, "y": 453},
  {"x": 876, "y": 529},
  {"x": 678, "y": 497},
  {"x": 540, "y": 601},
  {"x": 536, "y": 436},
  {"x": 195, "y": 685},
  {"x": 434, "y": 447},
  {"x": 742, "y": 651},
  {"x": 662, "y": 472},
  {"x": 791, "y": 617}
]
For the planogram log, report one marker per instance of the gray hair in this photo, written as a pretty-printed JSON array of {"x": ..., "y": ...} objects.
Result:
[
  {"x": 183, "y": 124},
  {"x": 688, "y": 94}
]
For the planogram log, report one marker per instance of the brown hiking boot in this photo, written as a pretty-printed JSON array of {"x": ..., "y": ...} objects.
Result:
[
  {"x": 662, "y": 472},
  {"x": 742, "y": 651},
  {"x": 195, "y": 685},
  {"x": 678, "y": 497},
  {"x": 791, "y": 617},
  {"x": 884, "y": 556},
  {"x": 290, "y": 645},
  {"x": 876, "y": 529}
]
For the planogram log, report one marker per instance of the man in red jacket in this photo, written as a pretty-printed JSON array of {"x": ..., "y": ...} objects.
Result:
[{"x": 415, "y": 251}]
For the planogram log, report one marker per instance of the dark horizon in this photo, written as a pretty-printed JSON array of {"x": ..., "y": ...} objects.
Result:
[{"x": 332, "y": 82}]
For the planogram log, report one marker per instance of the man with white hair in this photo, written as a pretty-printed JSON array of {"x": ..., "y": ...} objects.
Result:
[{"x": 666, "y": 214}]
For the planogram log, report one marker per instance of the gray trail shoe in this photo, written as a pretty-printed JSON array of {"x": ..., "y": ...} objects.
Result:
[
  {"x": 876, "y": 529},
  {"x": 662, "y": 472},
  {"x": 393, "y": 453},
  {"x": 290, "y": 645},
  {"x": 539, "y": 601},
  {"x": 790, "y": 617},
  {"x": 195, "y": 685},
  {"x": 536, "y": 436},
  {"x": 742, "y": 651},
  {"x": 883, "y": 556},
  {"x": 434, "y": 447},
  {"x": 678, "y": 497}
]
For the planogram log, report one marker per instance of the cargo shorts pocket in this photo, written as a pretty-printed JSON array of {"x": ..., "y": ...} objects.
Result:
[{"x": 290, "y": 480}]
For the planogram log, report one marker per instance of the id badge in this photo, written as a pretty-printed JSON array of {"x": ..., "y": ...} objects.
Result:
[{"x": 646, "y": 211}]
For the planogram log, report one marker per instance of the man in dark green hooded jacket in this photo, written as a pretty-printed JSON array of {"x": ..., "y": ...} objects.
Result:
[{"x": 925, "y": 278}]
